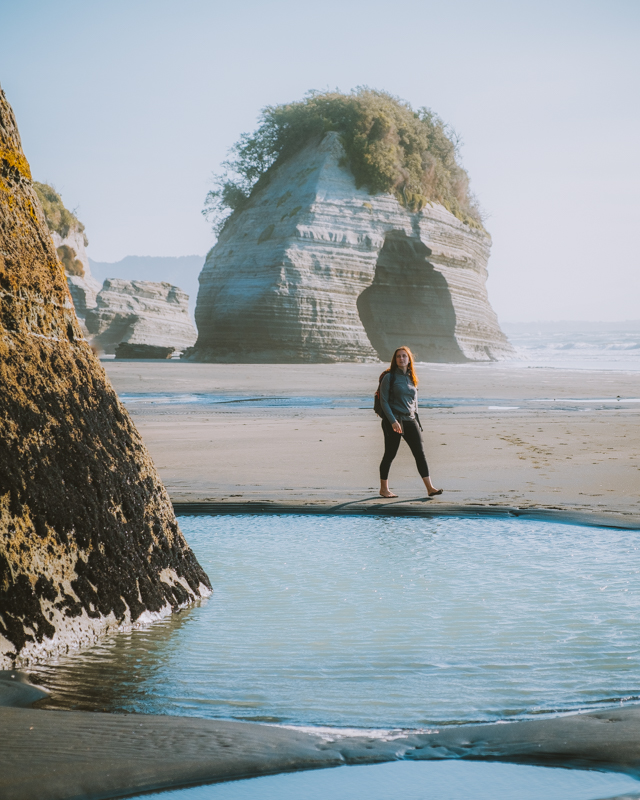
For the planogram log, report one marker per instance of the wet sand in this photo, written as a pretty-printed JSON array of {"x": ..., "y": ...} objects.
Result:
[
  {"x": 55, "y": 755},
  {"x": 501, "y": 442},
  {"x": 529, "y": 455}
]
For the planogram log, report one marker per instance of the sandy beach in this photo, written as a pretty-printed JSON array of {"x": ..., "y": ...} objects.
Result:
[{"x": 497, "y": 436}]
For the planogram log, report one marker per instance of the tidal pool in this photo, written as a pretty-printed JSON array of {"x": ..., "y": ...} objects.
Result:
[
  {"x": 382, "y": 623},
  {"x": 425, "y": 780}
]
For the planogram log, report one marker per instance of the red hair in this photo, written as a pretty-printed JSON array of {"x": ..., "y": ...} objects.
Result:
[{"x": 410, "y": 369}]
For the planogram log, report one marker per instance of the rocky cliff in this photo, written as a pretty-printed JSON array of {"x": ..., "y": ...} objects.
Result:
[
  {"x": 70, "y": 242},
  {"x": 83, "y": 287},
  {"x": 141, "y": 319},
  {"x": 315, "y": 269},
  {"x": 88, "y": 538}
]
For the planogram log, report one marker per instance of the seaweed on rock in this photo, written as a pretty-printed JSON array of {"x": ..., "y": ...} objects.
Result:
[{"x": 88, "y": 537}]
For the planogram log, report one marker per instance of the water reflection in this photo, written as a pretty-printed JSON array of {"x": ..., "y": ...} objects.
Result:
[
  {"x": 116, "y": 674},
  {"x": 380, "y": 622}
]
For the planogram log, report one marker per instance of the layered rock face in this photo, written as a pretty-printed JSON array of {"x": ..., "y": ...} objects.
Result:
[
  {"x": 83, "y": 287},
  {"x": 179, "y": 271},
  {"x": 88, "y": 538},
  {"x": 314, "y": 269},
  {"x": 70, "y": 242},
  {"x": 134, "y": 319},
  {"x": 141, "y": 319}
]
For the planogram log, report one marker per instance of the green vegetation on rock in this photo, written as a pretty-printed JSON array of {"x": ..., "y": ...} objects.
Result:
[
  {"x": 59, "y": 218},
  {"x": 389, "y": 148},
  {"x": 71, "y": 264}
]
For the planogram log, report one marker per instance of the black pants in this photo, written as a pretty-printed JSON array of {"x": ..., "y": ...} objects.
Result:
[{"x": 392, "y": 442}]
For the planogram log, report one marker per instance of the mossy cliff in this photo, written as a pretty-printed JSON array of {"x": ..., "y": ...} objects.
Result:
[
  {"x": 387, "y": 146},
  {"x": 58, "y": 218},
  {"x": 70, "y": 242},
  {"x": 88, "y": 538}
]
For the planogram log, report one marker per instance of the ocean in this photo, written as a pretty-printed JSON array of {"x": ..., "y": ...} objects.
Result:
[{"x": 576, "y": 345}]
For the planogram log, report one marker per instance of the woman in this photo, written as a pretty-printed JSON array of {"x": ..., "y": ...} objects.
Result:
[{"x": 399, "y": 400}]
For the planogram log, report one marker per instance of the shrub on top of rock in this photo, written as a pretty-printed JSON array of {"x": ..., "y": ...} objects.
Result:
[
  {"x": 389, "y": 148},
  {"x": 59, "y": 218}
]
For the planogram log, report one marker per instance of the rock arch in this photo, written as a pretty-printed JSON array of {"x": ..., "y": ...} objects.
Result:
[{"x": 409, "y": 302}]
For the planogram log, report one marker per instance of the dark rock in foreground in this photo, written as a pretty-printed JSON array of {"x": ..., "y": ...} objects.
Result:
[{"x": 88, "y": 538}]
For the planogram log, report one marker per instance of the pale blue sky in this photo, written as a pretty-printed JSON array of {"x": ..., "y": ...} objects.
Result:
[{"x": 128, "y": 106}]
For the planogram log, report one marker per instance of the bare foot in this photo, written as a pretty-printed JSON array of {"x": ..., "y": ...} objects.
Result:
[
  {"x": 385, "y": 491},
  {"x": 431, "y": 489}
]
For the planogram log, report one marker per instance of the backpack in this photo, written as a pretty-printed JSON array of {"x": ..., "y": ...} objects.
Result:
[{"x": 377, "y": 403}]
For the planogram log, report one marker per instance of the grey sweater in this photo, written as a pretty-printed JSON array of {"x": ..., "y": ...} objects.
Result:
[{"x": 403, "y": 403}]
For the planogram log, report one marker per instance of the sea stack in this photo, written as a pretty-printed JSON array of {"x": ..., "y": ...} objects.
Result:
[
  {"x": 315, "y": 267},
  {"x": 141, "y": 319},
  {"x": 88, "y": 538}
]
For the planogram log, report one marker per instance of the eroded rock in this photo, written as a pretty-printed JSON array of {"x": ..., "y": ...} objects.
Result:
[
  {"x": 83, "y": 287},
  {"x": 141, "y": 319},
  {"x": 70, "y": 242},
  {"x": 88, "y": 538},
  {"x": 314, "y": 269}
]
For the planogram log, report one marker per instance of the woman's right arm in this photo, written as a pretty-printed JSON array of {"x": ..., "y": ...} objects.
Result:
[{"x": 384, "y": 399}]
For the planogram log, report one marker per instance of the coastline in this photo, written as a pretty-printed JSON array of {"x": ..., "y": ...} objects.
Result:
[
  {"x": 415, "y": 509},
  {"x": 508, "y": 453}
]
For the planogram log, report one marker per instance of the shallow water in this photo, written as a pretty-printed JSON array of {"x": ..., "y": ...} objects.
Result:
[
  {"x": 244, "y": 402},
  {"x": 426, "y": 780},
  {"x": 382, "y": 623},
  {"x": 142, "y": 401}
]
